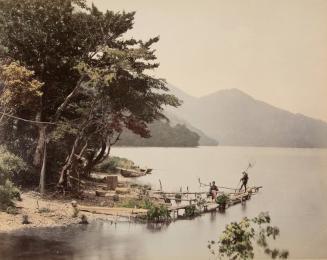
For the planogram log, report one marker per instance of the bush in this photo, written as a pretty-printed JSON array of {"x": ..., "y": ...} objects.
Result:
[
  {"x": 8, "y": 193},
  {"x": 11, "y": 166},
  {"x": 113, "y": 162},
  {"x": 191, "y": 211},
  {"x": 222, "y": 199},
  {"x": 158, "y": 213},
  {"x": 12, "y": 210}
]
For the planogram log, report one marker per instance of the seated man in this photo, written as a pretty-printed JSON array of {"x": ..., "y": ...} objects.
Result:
[{"x": 213, "y": 190}]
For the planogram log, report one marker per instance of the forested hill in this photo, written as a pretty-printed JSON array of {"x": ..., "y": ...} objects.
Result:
[{"x": 162, "y": 135}]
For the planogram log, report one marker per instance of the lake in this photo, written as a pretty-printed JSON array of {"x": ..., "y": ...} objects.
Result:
[{"x": 294, "y": 193}]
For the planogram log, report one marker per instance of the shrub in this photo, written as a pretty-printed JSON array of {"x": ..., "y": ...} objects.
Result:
[
  {"x": 11, "y": 166},
  {"x": 222, "y": 199},
  {"x": 191, "y": 211},
  {"x": 12, "y": 210},
  {"x": 8, "y": 193},
  {"x": 113, "y": 162},
  {"x": 158, "y": 213}
]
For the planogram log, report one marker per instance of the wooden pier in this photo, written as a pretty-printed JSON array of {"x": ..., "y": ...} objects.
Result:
[
  {"x": 201, "y": 201},
  {"x": 178, "y": 203}
]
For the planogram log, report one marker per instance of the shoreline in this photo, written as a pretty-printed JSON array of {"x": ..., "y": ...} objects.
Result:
[{"x": 44, "y": 213}]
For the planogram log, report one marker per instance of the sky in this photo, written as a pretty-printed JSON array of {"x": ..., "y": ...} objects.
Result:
[{"x": 274, "y": 50}]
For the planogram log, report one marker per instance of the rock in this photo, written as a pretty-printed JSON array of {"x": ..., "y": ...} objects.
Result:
[
  {"x": 100, "y": 193},
  {"x": 84, "y": 220},
  {"x": 123, "y": 190},
  {"x": 25, "y": 220}
]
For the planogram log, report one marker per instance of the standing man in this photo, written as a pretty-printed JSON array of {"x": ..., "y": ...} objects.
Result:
[
  {"x": 213, "y": 190},
  {"x": 244, "y": 180}
]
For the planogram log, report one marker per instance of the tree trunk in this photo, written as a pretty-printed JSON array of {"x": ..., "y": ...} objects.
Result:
[
  {"x": 64, "y": 181},
  {"x": 44, "y": 162},
  {"x": 40, "y": 143},
  {"x": 40, "y": 155},
  {"x": 94, "y": 161}
]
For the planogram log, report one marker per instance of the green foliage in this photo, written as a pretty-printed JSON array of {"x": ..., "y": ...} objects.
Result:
[
  {"x": 236, "y": 241},
  {"x": 111, "y": 164},
  {"x": 21, "y": 89},
  {"x": 92, "y": 81},
  {"x": 158, "y": 213},
  {"x": 162, "y": 134},
  {"x": 8, "y": 193},
  {"x": 143, "y": 203},
  {"x": 11, "y": 166},
  {"x": 191, "y": 211},
  {"x": 222, "y": 199}
]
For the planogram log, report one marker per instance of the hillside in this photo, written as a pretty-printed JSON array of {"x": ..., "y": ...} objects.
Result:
[
  {"x": 235, "y": 118},
  {"x": 162, "y": 135},
  {"x": 204, "y": 140}
]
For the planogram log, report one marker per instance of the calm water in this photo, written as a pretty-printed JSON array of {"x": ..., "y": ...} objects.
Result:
[{"x": 294, "y": 192}]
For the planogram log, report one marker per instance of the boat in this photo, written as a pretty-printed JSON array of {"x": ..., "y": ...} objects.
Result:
[{"x": 131, "y": 173}]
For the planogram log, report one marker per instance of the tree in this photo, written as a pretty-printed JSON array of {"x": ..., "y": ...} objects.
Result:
[
  {"x": 162, "y": 134},
  {"x": 95, "y": 82},
  {"x": 236, "y": 241}
]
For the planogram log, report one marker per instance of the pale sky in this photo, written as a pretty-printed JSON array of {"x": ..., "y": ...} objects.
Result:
[{"x": 274, "y": 50}]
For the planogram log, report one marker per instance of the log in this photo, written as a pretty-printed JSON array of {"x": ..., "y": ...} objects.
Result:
[{"x": 126, "y": 212}]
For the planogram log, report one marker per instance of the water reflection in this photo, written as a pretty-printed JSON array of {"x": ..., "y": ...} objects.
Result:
[
  {"x": 156, "y": 227},
  {"x": 29, "y": 247}
]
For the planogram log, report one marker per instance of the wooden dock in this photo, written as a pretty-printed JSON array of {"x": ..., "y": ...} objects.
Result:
[
  {"x": 178, "y": 203},
  {"x": 206, "y": 205}
]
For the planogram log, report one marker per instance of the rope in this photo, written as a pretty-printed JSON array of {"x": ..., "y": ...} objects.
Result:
[{"x": 27, "y": 120}]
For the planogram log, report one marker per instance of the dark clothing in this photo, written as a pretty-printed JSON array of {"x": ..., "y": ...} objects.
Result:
[
  {"x": 213, "y": 191},
  {"x": 213, "y": 187},
  {"x": 244, "y": 180},
  {"x": 243, "y": 185}
]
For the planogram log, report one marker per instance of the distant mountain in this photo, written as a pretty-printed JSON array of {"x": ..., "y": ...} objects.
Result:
[
  {"x": 235, "y": 118},
  {"x": 162, "y": 135},
  {"x": 176, "y": 119}
]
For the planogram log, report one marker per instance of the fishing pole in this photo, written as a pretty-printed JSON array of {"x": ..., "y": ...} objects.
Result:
[{"x": 209, "y": 185}]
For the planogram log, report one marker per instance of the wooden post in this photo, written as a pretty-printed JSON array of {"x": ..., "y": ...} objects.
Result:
[{"x": 112, "y": 182}]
